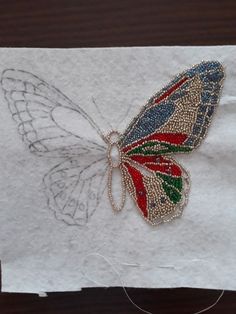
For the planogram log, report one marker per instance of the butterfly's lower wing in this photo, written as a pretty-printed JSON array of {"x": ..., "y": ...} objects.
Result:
[
  {"x": 74, "y": 188},
  {"x": 159, "y": 187},
  {"x": 176, "y": 119},
  {"x": 49, "y": 123}
]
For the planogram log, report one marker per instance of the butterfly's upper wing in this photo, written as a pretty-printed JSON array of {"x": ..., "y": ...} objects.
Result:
[
  {"x": 50, "y": 124},
  {"x": 174, "y": 120},
  {"x": 75, "y": 187}
]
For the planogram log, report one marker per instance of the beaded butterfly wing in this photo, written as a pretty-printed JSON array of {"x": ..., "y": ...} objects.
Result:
[{"x": 175, "y": 120}]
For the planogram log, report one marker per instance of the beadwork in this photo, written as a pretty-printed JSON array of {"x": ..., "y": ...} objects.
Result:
[{"x": 175, "y": 120}]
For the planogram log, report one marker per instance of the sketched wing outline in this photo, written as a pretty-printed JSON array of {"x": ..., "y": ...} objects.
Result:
[
  {"x": 69, "y": 184},
  {"x": 75, "y": 188},
  {"x": 32, "y": 102}
]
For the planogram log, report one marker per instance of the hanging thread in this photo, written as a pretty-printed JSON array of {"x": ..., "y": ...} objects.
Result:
[{"x": 113, "y": 268}]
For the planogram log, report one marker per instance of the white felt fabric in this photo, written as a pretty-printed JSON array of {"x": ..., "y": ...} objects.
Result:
[{"x": 41, "y": 253}]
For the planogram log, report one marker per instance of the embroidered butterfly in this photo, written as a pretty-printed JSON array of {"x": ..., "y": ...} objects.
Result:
[{"x": 175, "y": 120}]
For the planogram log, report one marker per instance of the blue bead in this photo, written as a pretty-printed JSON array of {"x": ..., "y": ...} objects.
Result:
[
  {"x": 190, "y": 141},
  {"x": 214, "y": 99},
  {"x": 205, "y": 95},
  {"x": 202, "y": 109},
  {"x": 203, "y": 131},
  {"x": 210, "y": 111},
  {"x": 196, "y": 130},
  {"x": 151, "y": 120},
  {"x": 200, "y": 119}
]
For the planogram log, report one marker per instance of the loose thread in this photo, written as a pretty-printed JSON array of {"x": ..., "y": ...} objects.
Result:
[
  {"x": 214, "y": 304},
  {"x": 119, "y": 277},
  {"x": 125, "y": 290}
]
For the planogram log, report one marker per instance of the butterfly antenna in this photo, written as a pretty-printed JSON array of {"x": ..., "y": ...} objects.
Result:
[
  {"x": 123, "y": 117},
  {"x": 100, "y": 114}
]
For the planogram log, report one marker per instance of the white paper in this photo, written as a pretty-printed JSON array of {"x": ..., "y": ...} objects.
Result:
[{"x": 41, "y": 253}]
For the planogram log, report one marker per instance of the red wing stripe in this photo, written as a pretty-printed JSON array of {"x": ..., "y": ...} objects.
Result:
[
  {"x": 169, "y": 169},
  {"x": 158, "y": 163},
  {"x": 171, "y": 138},
  {"x": 171, "y": 90},
  {"x": 147, "y": 159},
  {"x": 139, "y": 186}
]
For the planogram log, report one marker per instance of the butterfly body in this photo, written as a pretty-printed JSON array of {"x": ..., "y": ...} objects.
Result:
[
  {"x": 174, "y": 120},
  {"x": 114, "y": 153}
]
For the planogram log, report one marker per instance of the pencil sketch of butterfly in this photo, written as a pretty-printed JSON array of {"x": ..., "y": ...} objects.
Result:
[{"x": 174, "y": 120}]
